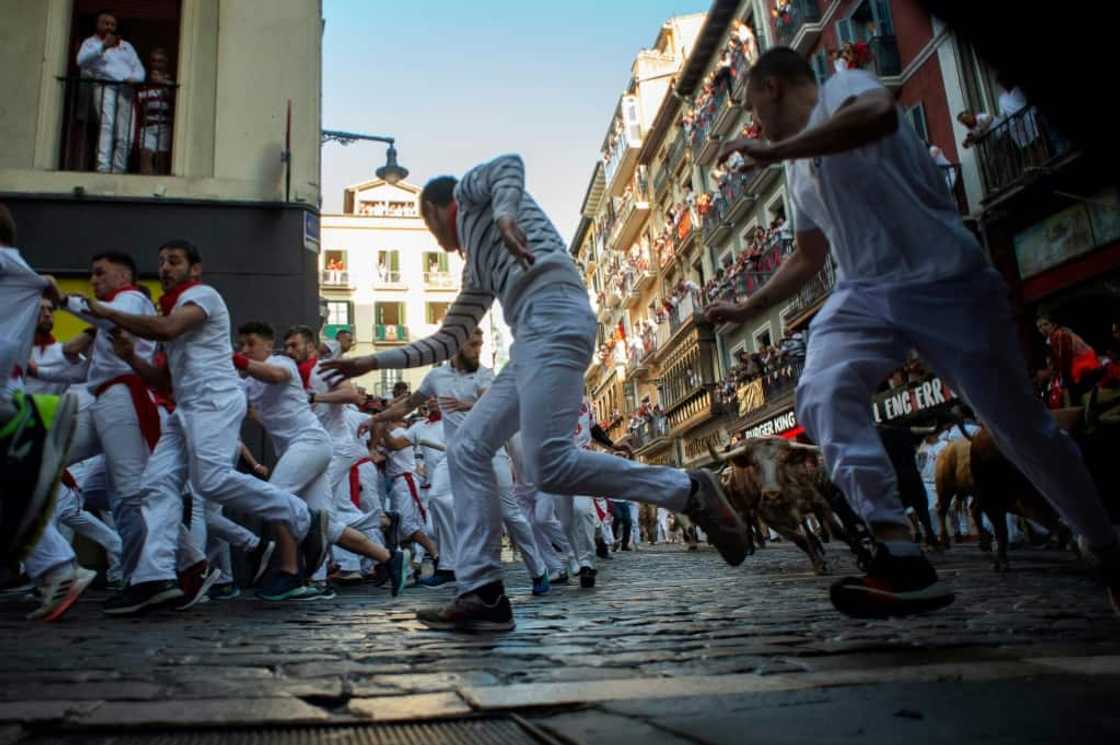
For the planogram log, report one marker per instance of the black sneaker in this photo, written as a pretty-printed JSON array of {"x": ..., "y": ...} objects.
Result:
[
  {"x": 894, "y": 586},
  {"x": 259, "y": 559},
  {"x": 314, "y": 545},
  {"x": 280, "y": 586},
  {"x": 601, "y": 549},
  {"x": 559, "y": 578},
  {"x": 469, "y": 613},
  {"x": 142, "y": 596},
  {"x": 709, "y": 508},
  {"x": 195, "y": 581},
  {"x": 587, "y": 577},
  {"x": 225, "y": 591},
  {"x": 398, "y": 566},
  {"x": 34, "y": 444},
  {"x": 392, "y": 531}
]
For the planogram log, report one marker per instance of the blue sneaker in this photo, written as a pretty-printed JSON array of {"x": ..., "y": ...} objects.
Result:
[
  {"x": 541, "y": 585},
  {"x": 439, "y": 578},
  {"x": 224, "y": 591},
  {"x": 283, "y": 586}
]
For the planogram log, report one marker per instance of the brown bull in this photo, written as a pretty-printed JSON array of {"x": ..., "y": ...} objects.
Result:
[
  {"x": 783, "y": 483},
  {"x": 953, "y": 480}
]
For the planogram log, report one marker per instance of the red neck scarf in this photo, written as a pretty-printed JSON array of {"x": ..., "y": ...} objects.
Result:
[
  {"x": 111, "y": 296},
  {"x": 168, "y": 299},
  {"x": 44, "y": 339},
  {"x": 435, "y": 415},
  {"x": 305, "y": 369}
]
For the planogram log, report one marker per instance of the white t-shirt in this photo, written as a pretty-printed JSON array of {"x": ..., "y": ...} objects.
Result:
[
  {"x": 57, "y": 373},
  {"x": 104, "y": 363},
  {"x": 201, "y": 360},
  {"x": 282, "y": 407},
  {"x": 117, "y": 63},
  {"x": 884, "y": 207},
  {"x": 335, "y": 418},
  {"x": 401, "y": 461},
  {"x": 449, "y": 381},
  {"x": 432, "y": 432}
]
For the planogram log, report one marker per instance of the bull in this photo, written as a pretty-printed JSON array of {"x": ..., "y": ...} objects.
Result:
[{"x": 783, "y": 483}]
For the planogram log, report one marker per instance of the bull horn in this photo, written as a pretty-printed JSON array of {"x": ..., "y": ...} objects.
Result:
[
  {"x": 803, "y": 446},
  {"x": 922, "y": 431},
  {"x": 715, "y": 455}
]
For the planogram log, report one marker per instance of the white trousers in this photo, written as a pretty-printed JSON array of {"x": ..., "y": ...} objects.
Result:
[
  {"x": 442, "y": 511},
  {"x": 116, "y": 115},
  {"x": 662, "y": 525},
  {"x": 109, "y": 425},
  {"x": 68, "y": 511},
  {"x": 540, "y": 511},
  {"x": 962, "y": 328},
  {"x": 554, "y": 337},
  {"x": 50, "y": 551},
  {"x": 198, "y": 445},
  {"x": 406, "y": 504},
  {"x": 578, "y": 517}
]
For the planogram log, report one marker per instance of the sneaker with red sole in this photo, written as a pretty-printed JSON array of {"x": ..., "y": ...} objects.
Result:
[
  {"x": 195, "y": 581},
  {"x": 61, "y": 588},
  {"x": 894, "y": 586}
]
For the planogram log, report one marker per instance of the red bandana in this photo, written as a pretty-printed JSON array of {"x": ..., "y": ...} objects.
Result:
[
  {"x": 305, "y": 369},
  {"x": 168, "y": 299},
  {"x": 111, "y": 296},
  {"x": 44, "y": 340},
  {"x": 435, "y": 415}
]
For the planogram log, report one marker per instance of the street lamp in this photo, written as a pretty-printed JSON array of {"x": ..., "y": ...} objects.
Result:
[{"x": 391, "y": 172}]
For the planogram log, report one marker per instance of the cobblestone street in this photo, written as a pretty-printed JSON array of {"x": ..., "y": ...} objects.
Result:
[{"x": 671, "y": 646}]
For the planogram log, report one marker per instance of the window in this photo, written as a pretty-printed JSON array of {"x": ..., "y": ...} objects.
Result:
[
  {"x": 437, "y": 270},
  {"x": 389, "y": 267},
  {"x": 762, "y": 337},
  {"x": 434, "y": 312},
  {"x": 389, "y": 314},
  {"x": 338, "y": 313},
  {"x": 334, "y": 269},
  {"x": 916, "y": 116},
  {"x": 138, "y": 117}
]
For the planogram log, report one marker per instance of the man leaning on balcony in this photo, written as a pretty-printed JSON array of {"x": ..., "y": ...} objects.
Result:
[{"x": 112, "y": 62}]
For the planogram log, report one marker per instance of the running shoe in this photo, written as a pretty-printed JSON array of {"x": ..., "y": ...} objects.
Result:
[
  {"x": 587, "y": 577},
  {"x": 280, "y": 586},
  {"x": 195, "y": 581},
  {"x": 558, "y": 578},
  {"x": 438, "y": 578},
  {"x": 60, "y": 589},
  {"x": 469, "y": 613},
  {"x": 541, "y": 585},
  {"x": 142, "y": 596},
  {"x": 709, "y": 508},
  {"x": 259, "y": 559},
  {"x": 314, "y": 545},
  {"x": 347, "y": 579},
  {"x": 894, "y": 586},
  {"x": 34, "y": 444},
  {"x": 225, "y": 591},
  {"x": 398, "y": 567}
]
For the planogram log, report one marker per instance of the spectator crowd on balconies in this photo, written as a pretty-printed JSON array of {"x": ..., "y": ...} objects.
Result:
[
  {"x": 777, "y": 366},
  {"x": 734, "y": 61},
  {"x": 742, "y": 275}
]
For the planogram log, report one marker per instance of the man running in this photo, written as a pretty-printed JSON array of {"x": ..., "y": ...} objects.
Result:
[
  {"x": 201, "y": 438},
  {"x": 303, "y": 448},
  {"x": 909, "y": 275},
  {"x": 515, "y": 255}
]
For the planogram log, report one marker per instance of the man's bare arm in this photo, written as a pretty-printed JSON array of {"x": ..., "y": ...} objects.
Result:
[
  {"x": 158, "y": 378},
  {"x": 157, "y": 328},
  {"x": 344, "y": 393}
]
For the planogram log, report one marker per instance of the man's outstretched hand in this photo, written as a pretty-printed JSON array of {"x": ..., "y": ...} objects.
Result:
[
  {"x": 516, "y": 241},
  {"x": 336, "y": 371},
  {"x": 722, "y": 312}
]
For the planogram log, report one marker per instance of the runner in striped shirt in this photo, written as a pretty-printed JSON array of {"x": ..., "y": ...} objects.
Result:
[{"x": 515, "y": 255}]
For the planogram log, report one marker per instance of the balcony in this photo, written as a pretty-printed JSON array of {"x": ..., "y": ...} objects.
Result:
[
  {"x": 677, "y": 151},
  {"x": 335, "y": 278},
  {"x": 685, "y": 311},
  {"x": 661, "y": 180},
  {"x": 138, "y": 132},
  {"x": 631, "y": 217},
  {"x": 705, "y": 139},
  {"x": 740, "y": 65},
  {"x": 622, "y": 150},
  {"x": 811, "y": 296},
  {"x": 654, "y": 432},
  {"x": 688, "y": 383},
  {"x": 1019, "y": 146},
  {"x": 716, "y": 228},
  {"x": 682, "y": 234},
  {"x": 386, "y": 277},
  {"x": 439, "y": 280},
  {"x": 797, "y": 24},
  {"x": 770, "y": 391},
  {"x": 955, "y": 184},
  {"x": 727, "y": 113},
  {"x": 390, "y": 333}
]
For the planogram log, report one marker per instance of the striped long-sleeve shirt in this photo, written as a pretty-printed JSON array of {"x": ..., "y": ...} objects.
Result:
[{"x": 487, "y": 192}]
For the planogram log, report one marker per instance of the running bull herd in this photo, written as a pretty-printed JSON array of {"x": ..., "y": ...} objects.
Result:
[{"x": 780, "y": 484}]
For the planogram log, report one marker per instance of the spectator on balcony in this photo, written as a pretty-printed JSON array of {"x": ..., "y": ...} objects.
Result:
[
  {"x": 723, "y": 71},
  {"x": 977, "y": 123},
  {"x": 1024, "y": 128},
  {"x": 155, "y": 101},
  {"x": 112, "y": 63},
  {"x": 1074, "y": 361},
  {"x": 945, "y": 165}
]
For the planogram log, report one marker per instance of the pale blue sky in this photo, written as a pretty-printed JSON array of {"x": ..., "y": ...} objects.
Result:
[{"x": 459, "y": 82}]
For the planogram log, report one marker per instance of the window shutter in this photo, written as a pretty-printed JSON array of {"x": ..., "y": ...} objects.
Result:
[
  {"x": 844, "y": 31},
  {"x": 884, "y": 22},
  {"x": 349, "y": 312}
]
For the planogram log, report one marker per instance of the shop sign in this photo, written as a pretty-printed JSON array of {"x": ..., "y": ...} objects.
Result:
[
  {"x": 775, "y": 425},
  {"x": 903, "y": 402}
]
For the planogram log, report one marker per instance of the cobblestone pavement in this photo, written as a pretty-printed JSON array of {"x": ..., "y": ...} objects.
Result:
[{"x": 671, "y": 646}]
